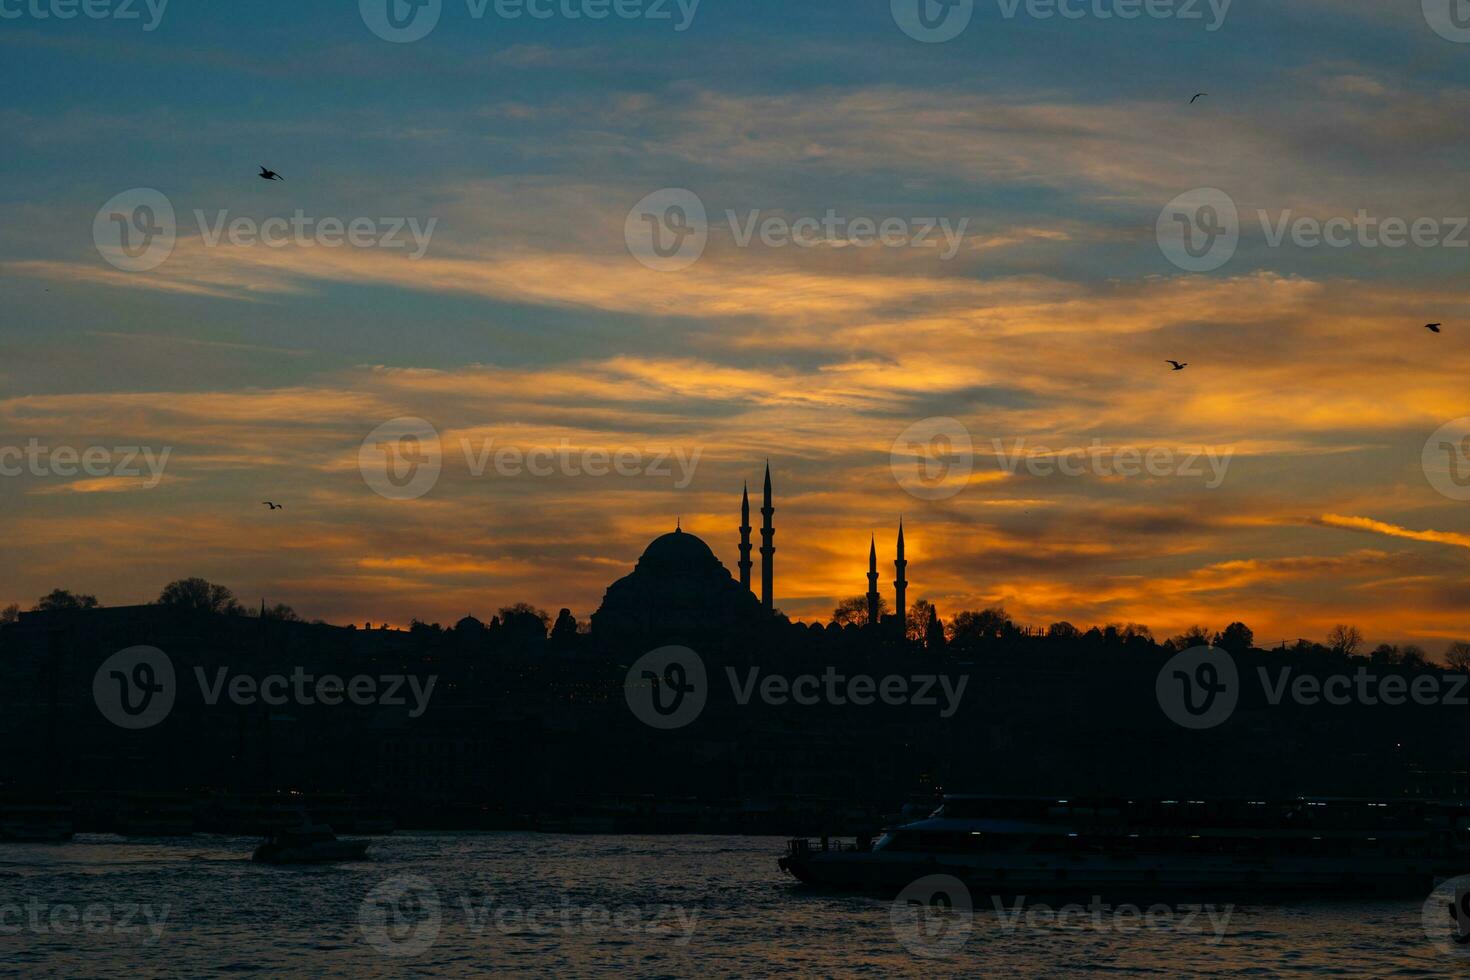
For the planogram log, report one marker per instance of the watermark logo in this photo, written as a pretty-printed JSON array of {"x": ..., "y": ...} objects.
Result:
[
  {"x": 1199, "y": 230},
  {"x": 1446, "y": 917},
  {"x": 135, "y": 231},
  {"x": 135, "y": 688},
  {"x": 401, "y": 21},
  {"x": 933, "y": 21},
  {"x": 401, "y": 917},
  {"x": 933, "y": 917},
  {"x": 401, "y": 459},
  {"x": 1446, "y": 459},
  {"x": 667, "y": 688},
  {"x": 933, "y": 458},
  {"x": 1199, "y": 688},
  {"x": 668, "y": 230},
  {"x": 1450, "y": 19}
]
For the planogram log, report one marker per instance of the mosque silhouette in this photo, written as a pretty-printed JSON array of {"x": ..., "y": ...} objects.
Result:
[{"x": 680, "y": 589}]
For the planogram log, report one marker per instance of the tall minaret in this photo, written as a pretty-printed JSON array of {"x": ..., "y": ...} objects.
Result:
[
  {"x": 873, "y": 597},
  {"x": 768, "y": 548},
  {"x": 900, "y": 584},
  {"x": 745, "y": 538}
]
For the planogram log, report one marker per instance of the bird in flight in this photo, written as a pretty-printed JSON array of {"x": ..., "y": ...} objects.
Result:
[
  {"x": 266, "y": 174},
  {"x": 1433, "y": 327},
  {"x": 1177, "y": 365},
  {"x": 272, "y": 506},
  {"x": 1197, "y": 97}
]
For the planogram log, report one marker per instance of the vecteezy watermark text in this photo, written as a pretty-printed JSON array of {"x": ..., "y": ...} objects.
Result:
[
  {"x": 667, "y": 688},
  {"x": 303, "y": 230},
  {"x": 136, "y": 688},
  {"x": 669, "y": 230},
  {"x": 1110, "y": 461},
  {"x": 1201, "y": 687},
  {"x": 936, "y": 21},
  {"x": 402, "y": 917},
  {"x": 567, "y": 460},
  {"x": 403, "y": 458},
  {"x": 1200, "y": 230},
  {"x": 90, "y": 9},
  {"x": 136, "y": 231},
  {"x": 97, "y": 918},
  {"x": 934, "y": 916},
  {"x": 405, "y": 21},
  {"x": 94, "y": 461},
  {"x": 934, "y": 459}
]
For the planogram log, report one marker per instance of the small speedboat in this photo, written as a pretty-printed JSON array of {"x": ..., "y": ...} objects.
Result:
[{"x": 308, "y": 843}]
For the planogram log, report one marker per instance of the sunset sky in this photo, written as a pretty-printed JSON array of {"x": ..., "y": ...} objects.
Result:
[{"x": 1057, "y": 142}]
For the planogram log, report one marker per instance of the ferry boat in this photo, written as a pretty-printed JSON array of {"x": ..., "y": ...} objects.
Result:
[
  {"x": 1010, "y": 845},
  {"x": 308, "y": 843}
]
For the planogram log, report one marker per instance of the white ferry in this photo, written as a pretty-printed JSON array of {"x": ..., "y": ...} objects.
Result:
[{"x": 1025, "y": 845}]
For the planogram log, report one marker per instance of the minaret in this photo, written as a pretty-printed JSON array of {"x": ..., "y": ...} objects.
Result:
[
  {"x": 745, "y": 538},
  {"x": 873, "y": 597},
  {"x": 768, "y": 548},
  {"x": 900, "y": 584}
]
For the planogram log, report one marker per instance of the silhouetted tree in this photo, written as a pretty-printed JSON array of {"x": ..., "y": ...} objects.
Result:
[
  {"x": 9, "y": 614},
  {"x": 854, "y": 611},
  {"x": 934, "y": 631},
  {"x": 1236, "y": 638},
  {"x": 1344, "y": 640},
  {"x": 971, "y": 629},
  {"x": 1386, "y": 655},
  {"x": 916, "y": 623},
  {"x": 564, "y": 630},
  {"x": 1195, "y": 636},
  {"x": 1062, "y": 631},
  {"x": 1414, "y": 657},
  {"x": 61, "y": 599},
  {"x": 420, "y": 628},
  {"x": 198, "y": 594},
  {"x": 1458, "y": 656}
]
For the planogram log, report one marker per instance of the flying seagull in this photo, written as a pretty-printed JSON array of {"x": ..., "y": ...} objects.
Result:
[
  {"x": 1197, "y": 97},
  {"x": 266, "y": 174},
  {"x": 1177, "y": 365},
  {"x": 1433, "y": 327},
  {"x": 272, "y": 506}
]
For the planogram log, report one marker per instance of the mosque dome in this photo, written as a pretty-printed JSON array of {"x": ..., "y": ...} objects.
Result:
[
  {"x": 678, "y": 590},
  {"x": 678, "y": 550}
]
